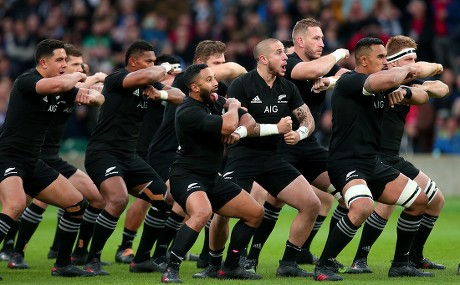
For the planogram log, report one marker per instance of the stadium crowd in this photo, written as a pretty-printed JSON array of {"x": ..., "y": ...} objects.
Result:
[
  {"x": 104, "y": 28},
  {"x": 173, "y": 87}
]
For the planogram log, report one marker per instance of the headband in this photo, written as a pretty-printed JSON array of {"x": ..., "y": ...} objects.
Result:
[{"x": 400, "y": 54}]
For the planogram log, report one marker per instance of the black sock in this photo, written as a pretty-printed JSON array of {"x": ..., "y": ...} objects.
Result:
[
  {"x": 371, "y": 231},
  {"x": 338, "y": 214},
  {"x": 290, "y": 252},
  {"x": 407, "y": 228},
  {"x": 55, "y": 245},
  {"x": 153, "y": 224},
  {"x": 183, "y": 244},
  {"x": 216, "y": 256},
  {"x": 204, "y": 254},
  {"x": 105, "y": 225},
  {"x": 86, "y": 229},
  {"x": 5, "y": 224},
  {"x": 128, "y": 238},
  {"x": 264, "y": 230},
  {"x": 30, "y": 220},
  {"x": 241, "y": 235},
  {"x": 342, "y": 234},
  {"x": 67, "y": 234},
  {"x": 427, "y": 224},
  {"x": 8, "y": 243},
  {"x": 318, "y": 223},
  {"x": 172, "y": 226}
]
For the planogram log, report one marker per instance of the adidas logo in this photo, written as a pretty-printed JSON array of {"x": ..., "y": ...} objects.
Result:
[
  {"x": 110, "y": 171},
  {"x": 136, "y": 92},
  {"x": 10, "y": 171},
  {"x": 256, "y": 100},
  {"x": 257, "y": 245}
]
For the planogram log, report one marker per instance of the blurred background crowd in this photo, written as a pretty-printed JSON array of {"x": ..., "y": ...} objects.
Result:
[{"x": 104, "y": 28}]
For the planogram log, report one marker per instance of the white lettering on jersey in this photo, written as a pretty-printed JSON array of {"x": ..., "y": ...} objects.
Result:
[
  {"x": 52, "y": 108},
  {"x": 142, "y": 105},
  {"x": 271, "y": 109}
]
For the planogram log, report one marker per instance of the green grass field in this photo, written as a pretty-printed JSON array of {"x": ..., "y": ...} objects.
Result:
[{"x": 443, "y": 247}]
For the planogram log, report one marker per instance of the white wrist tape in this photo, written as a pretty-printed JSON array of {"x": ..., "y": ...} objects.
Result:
[
  {"x": 268, "y": 130},
  {"x": 163, "y": 95},
  {"x": 332, "y": 82},
  {"x": 242, "y": 131},
  {"x": 339, "y": 54},
  {"x": 176, "y": 67},
  {"x": 167, "y": 66},
  {"x": 303, "y": 132}
]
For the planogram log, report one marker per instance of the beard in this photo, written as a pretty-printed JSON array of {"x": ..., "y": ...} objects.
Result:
[{"x": 206, "y": 96}]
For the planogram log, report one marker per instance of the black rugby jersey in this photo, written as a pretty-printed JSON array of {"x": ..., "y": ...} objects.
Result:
[
  {"x": 314, "y": 101},
  {"x": 120, "y": 117},
  {"x": 356, "y": 119},
  {"x": 266, "y": 105},
  {"x": 165, "y": 139},
  {"x": 152, "y": 120},
  {"x": 52, "y": 142},
  {"x": 28, "y": 118},
  {"x": 198, "y": 132},
  {"x": 393, "y": 123}
]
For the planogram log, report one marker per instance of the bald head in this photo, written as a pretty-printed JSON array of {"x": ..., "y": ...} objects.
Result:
[{"x": 264, "y": 47}]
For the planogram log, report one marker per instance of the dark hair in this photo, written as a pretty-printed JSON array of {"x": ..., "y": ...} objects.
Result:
[
  {"x": 192, "y": 72},
  {"x": 46, "y": 48},
  {"x": 167, "y": 58},
  {"x": 137, "y": 47},
  {"x": 72, "y": 50},
  {"x": 287, "y": 43},
  {"x": 363, "y": 46}
]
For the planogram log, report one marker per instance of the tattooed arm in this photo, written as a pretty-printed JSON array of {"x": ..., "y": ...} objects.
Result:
[{"x": 306, "y": 127}]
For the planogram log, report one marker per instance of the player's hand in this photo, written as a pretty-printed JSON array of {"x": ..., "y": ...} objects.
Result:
[
  {"x": 396, "y": 96},
  {"x": 231, "y": 138},
  {"x": 85, "y": 96},
  {"x": 100, "y": 76},
  {"x": 320, "y": 84},
  {"x": 97, "y": 86},
  {"x": 292, "y": 138},
  {"x": 232, "y": 101},
  {"x": 284, "y": 125},
  {"x": 152, "y": 93}
]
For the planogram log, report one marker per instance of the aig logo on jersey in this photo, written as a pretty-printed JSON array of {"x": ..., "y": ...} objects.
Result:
[{"x": 281, "y": 97}]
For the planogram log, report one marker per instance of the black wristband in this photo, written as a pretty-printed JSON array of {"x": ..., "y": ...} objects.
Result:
[{"x": 408, "y": 92}]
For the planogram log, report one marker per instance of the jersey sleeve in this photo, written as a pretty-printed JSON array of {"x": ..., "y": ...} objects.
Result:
[
  {"x": 352, "y": 83},
  {"x": 236, "y": 90},
  {"x": 296, "y": 100},
  {"x": 27, "y": 84},
  {"x": 195, "y": 119}
]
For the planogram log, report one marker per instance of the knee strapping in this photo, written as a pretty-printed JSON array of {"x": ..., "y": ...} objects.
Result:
[
  {"x": 334, "y": 192},
  {"x": 77, "y": 210},
  {"x": 357, "y": 192},
  {"x": 409, "y": 194},
  {"x": 431, "y": 190}
]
